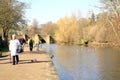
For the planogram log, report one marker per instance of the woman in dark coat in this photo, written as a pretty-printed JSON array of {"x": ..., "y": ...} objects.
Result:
[{"x": 30, "y": 44}]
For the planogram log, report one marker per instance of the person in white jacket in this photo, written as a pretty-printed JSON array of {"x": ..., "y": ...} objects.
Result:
[{"x": 13, "y": 46}]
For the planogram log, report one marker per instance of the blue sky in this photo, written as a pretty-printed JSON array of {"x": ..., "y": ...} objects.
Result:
[{"x": 52, "y": 10}]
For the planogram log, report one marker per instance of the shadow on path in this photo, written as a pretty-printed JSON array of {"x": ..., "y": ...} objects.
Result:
[
  {"x": 5, "y": 57},
  {"x": 32, "y": 61},
  {"x": 34, "y": 52},
  {"x": 25, "y": 61}
]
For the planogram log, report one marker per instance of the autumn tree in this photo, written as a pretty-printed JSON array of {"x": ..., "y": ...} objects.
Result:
[
  {"x": 82, "y": 26},
  {"x": 68, "y": 31}
]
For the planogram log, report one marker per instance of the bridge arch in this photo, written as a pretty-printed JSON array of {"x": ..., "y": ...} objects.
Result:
[{"x": 46, "y": 39}]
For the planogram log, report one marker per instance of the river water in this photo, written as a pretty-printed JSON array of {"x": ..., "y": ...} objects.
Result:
[{"x": 85, "y": 63}]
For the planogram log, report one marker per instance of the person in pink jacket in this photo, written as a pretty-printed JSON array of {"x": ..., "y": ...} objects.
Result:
[{"x": 13, "y": 46}]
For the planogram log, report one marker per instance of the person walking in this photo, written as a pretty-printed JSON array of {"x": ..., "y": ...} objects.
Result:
[
  {"x": 30, "y": 42},
  {"x": 13, "y": 47},
  {"x": 37, "y": 42}
]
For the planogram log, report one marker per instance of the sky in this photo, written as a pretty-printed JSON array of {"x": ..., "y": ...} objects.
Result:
[{"x": 52, "y": 10}]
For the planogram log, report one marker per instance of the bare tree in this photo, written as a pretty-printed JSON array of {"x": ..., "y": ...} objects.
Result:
[
  {"x": 48, "y": 28},
  {"x": 34, "y": 28},
  {"x": 112, "y": 8}
]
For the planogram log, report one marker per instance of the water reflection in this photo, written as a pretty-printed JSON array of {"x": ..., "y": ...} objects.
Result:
[
  {"x": 84, "y": 63},
  {"x": 109, "y": 63}
]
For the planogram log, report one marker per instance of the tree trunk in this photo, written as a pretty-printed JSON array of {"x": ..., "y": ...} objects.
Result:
[
  {"x": 4, "y": 37},
  {"x": 114, "y": 30}
]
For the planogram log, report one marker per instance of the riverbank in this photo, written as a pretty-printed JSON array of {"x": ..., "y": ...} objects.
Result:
[
  {"x": 32, "y": 66},
  {"x": 98, "y": 44}
]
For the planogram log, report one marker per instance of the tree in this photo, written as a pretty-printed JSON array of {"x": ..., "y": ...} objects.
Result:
[
  {"x": 68, "y": 31},
  {"x": 92, "y": 17},
  {"x": 11, "y": 15},
  {"x": 83, "y": 23},
  {"x": 34, "y": 28},
  {"x": 111, "y": 7},
  {"x": 48, "y": 28}
]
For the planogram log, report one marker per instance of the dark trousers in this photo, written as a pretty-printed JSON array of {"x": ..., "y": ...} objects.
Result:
[
  {"x": 15, "y": 59},
  {"x": 31, "y": 47}
]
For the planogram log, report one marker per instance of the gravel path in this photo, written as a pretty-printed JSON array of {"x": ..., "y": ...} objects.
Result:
[{"x": 32, "y": 66}]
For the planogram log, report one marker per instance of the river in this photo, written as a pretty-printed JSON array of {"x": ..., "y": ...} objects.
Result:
[{"x": 85, "y": 63}]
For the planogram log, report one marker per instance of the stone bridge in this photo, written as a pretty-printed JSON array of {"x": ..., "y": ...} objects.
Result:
[
  {"x": 47, "y": 39},
  {"x": 44, "y": 38}
]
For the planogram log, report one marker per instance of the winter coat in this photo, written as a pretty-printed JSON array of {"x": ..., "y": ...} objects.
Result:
[{"x": 13, "y": 46}]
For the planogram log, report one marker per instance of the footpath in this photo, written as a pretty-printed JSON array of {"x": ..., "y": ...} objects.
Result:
[{"x": 32, "y": 66}]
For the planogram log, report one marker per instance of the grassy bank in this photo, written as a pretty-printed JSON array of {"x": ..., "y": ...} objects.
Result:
[
  {"x": 97, "y": 44},
  {"x": 4, "y": 49}
]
